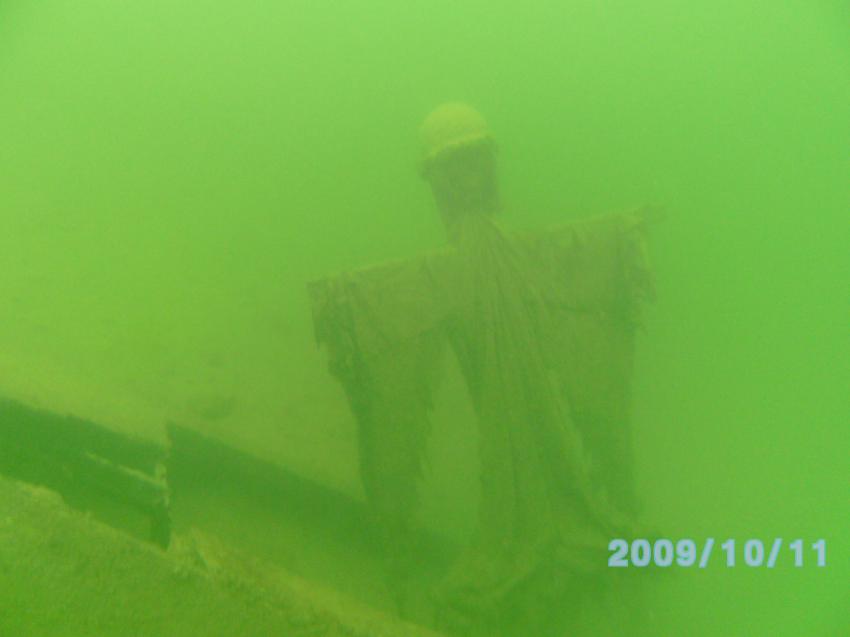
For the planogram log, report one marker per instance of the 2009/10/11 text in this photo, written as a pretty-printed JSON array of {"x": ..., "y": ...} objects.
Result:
[{"x": 663, "y": 553}]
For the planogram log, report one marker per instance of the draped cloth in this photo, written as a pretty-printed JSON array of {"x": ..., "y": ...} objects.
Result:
[{"x": 542, "y": 325}]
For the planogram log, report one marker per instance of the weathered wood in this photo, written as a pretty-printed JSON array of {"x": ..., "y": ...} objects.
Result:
[
  {"x": 85, "y": 462},
  {"x": 64, "y": 574}
]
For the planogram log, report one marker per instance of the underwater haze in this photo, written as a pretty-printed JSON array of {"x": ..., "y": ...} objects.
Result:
[{"x": 174, "y": 173}]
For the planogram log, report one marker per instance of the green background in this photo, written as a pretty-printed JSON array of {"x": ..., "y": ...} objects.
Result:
[{"x": 173, "y": 173}]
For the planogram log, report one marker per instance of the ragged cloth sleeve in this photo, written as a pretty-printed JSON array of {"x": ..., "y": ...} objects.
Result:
[
  {"x": 383, "y": 330},
  {"x": 596, "y": 277}
]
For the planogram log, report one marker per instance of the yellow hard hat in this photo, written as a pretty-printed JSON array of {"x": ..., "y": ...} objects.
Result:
[{"x": 450, "y": 126}]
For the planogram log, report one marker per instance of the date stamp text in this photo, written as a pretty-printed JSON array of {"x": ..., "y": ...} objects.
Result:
[{"x": 753, "y": 553}]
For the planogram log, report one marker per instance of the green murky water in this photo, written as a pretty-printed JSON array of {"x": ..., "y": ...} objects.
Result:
[{"x": 172, "y": 174}]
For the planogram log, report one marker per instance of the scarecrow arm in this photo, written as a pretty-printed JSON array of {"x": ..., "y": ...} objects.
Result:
[{"x": 382, "y": 327}]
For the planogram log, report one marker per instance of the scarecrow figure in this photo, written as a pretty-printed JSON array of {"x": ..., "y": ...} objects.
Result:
[{"x": 542, "y": 325}]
